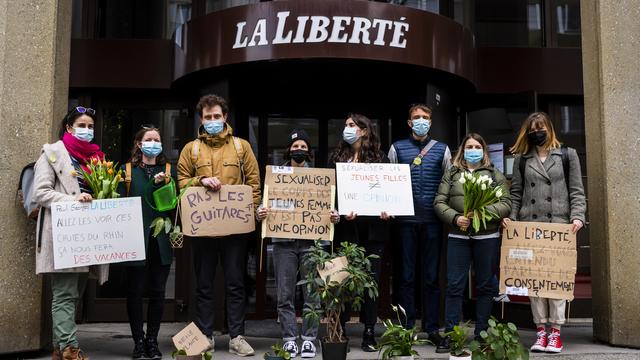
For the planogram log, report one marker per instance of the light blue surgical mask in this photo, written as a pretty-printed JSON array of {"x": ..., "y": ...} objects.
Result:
[
  {"x": 420, "y": 126},
  {"x": 84, "y": 134},
  {"x": 213, "y": 127},
  {"x": 473, "y": 156},
  {"x": 350, "y": 135},
  {"x": 151, "y": 148}
]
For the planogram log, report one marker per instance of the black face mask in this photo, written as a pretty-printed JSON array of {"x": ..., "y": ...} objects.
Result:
[
  {"x": 299, "y": 156},
  {"x": 538, "y": 137}
]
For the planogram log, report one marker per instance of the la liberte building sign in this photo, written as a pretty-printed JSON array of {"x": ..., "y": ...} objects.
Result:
[{"x": 319, "y": 29}]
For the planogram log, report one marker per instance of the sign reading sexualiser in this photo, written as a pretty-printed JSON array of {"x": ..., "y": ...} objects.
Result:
[
  {"x": 369, "y": 189},
  {"x": 300, "y": 201},
  {"x": 97, "y": 232},
  {"x": 538, "y": 259}
]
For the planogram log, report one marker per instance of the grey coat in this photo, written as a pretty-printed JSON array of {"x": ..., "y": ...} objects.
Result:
[
  {"x": 54, "y": 181},
  {"x": 545, "y": 197}
]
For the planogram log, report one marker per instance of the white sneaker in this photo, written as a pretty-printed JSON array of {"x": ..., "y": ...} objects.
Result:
[
  {"x": 308, "y": 349},
  {"x": 291, "y": 347},
  {"x": 212, "y": 340},
  {"x": 240, "y": 346}
]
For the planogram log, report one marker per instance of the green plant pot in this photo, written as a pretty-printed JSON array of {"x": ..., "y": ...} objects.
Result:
[
  {"x": 188, "y": 357},
  {"x": 334, "y": 351},
  {"x": 405, "y": 357}
]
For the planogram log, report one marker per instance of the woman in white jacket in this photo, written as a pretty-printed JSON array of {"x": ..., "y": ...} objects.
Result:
[{"x": 58, "y": 177}]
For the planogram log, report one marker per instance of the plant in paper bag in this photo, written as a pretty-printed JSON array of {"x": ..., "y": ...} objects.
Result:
[
  {"x": 103, "y": 179},
  {"x": 478, "y": 194}
]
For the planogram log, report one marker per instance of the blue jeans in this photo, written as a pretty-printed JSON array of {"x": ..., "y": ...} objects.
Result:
[
  {"x": 460, "y": 254},
  {"x": 423, "y": 241}
]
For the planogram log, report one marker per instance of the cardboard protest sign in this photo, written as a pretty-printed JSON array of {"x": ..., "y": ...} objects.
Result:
[
  {"x": 335, "y": 270},
  {"x": 97, "y": 232},
  {"x": 369, "y": 189},
  {"x": 191, "y": 340},
  {"x": 217, "y": 213},
  {"x": 538, "y": 259},
  {"x": 300, "y": 201}
]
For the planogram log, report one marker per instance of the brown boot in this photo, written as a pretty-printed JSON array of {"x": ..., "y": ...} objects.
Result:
[
  {"x": 73, "y": 353},
  {"x": 57, "y": 354}
]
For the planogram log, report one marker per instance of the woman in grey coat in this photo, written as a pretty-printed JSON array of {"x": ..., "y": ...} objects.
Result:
[{"x": 541, "y": 194}]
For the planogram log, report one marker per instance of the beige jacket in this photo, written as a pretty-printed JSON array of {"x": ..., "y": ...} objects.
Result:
[
  {"x": 54, "y": 181},
  {"x": 217, "y": 156}
]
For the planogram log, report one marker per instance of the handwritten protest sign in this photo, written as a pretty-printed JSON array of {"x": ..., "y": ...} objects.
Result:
[
  {"x": 97, "y": 232},
  {"x": 217, "y": 213},
  {"x": 300, "y": 201},
  {"x": 191, "y": 340},
  {"x": 538, "y": 259},
  {"x": 369, "y": 189},
  {"x": 335, "y": 269}
]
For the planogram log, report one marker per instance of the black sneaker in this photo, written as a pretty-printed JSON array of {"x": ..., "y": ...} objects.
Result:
[
  {"x": 139, "y": 351},
  {"x": 152, "y": 349},
  {"x": 434, "y": 338},
  {"x": 368, "y": 340},
  {"x": 444, "y": 346}
]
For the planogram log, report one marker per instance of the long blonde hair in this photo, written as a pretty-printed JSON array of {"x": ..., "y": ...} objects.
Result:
[
  {"x": 458, "y": 159},
  {"x": 535, "y": 121}
]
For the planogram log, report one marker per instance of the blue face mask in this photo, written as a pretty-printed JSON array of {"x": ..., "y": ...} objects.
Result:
[
  {"x": 420, "y": 126},
  {"x": 213, "y": 127},
  {"x": 473, "y": 156},
  {"x": 151, "y": 148},
  {"x": 84, "y": 134},
  {"x": 349, "y": 134}
]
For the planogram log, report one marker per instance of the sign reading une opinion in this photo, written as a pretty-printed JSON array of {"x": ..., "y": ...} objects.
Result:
[{"x": 318, "y": 29}]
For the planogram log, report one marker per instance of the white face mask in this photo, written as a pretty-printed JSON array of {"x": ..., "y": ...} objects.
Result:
[{"x": 84, "y": 134}]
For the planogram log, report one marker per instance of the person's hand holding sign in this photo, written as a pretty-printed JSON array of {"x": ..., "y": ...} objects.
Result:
[
  {"x": 212, "y": 183},
  {"x": 84, "y": 197},
  {"x": 351, "y": 216},
  {"x": 577, "y": 225},
  {"x": 335, "y": 217},
  {"x": 261, "y": 214},
  {"x": 385, "y": 216}
]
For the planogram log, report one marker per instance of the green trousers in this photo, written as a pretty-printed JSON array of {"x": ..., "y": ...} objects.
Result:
[{"x": 67, "y": 289}]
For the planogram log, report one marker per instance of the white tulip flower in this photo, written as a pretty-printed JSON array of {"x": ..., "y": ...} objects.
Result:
[
  {"x": 461, "y": 180},
  {"x": 473, "y": 180},
  {"x": 483, "y": 187},
  {"x": 499, "y": 193}
]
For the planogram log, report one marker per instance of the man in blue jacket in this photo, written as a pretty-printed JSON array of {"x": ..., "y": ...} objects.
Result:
[{"x": 421, "y": 234}]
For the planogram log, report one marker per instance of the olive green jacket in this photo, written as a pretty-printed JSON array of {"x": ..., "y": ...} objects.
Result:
[{"x": 449, "y": 201}]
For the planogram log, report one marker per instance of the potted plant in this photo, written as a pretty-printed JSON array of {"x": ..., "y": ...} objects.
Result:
[
  {"x": 182, "y": 355},
  {"x": 347, "y": 285},
  {"x": 458, "y": 345},
  {"x": 278, "y": 353},
  {"x": 397, "y": 342},
  {"x": 500, "y": 341}
]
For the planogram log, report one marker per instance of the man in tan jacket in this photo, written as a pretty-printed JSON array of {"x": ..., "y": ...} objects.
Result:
[{"x": 214, "y": 159}]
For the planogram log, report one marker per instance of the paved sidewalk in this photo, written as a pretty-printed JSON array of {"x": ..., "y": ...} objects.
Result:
[{"x": 110, "y": 341}]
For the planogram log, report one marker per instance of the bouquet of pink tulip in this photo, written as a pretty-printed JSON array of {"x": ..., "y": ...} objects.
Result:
[{"x": 478, "y": 193}]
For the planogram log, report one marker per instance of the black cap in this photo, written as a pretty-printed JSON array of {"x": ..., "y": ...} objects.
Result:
[{"x": 299, "y": 134}]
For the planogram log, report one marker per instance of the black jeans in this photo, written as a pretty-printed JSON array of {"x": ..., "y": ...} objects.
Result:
[
  {"x": 154, "y": 276},
  {"x": 232, "y": 252}
]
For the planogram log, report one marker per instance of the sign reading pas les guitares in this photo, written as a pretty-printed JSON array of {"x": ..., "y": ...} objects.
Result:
[
  {"x": 228, "y": 211},
  {"x": 538, "y": 259}
]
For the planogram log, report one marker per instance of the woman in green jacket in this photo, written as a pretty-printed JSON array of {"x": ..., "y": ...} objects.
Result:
[
  {"x": 466, "y": 246},
  {"x": 148, "y": 162}
]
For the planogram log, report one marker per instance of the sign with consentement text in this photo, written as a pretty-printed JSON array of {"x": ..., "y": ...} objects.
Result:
[
  {"x": 191, "y": 340},
  {"x": 228, "y": 211},
  {"x": 97, "y": 232},
  {"x": 370, "y": 189},
  {"x": 300, "y": 201},
  {"x": 538, "y": 259}
]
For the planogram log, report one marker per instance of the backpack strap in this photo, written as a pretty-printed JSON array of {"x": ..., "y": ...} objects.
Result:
[
  {"x": 195, "y": 148},
  {"x": 127, "y": 177},
  {"x": 167, "y": 172},
  {"x": 240, "y": 153}
]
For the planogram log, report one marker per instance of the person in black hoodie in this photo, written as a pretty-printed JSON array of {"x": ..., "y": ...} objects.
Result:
[{"x": 360, "y": 143}]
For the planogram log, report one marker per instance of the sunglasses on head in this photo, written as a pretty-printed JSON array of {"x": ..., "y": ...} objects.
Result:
[
  {"x": 148, "y": 127},
  {"x": 83, "y": 110}
]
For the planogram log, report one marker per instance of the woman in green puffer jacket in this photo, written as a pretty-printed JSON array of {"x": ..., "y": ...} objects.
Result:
[{"x": 465, "y": 247}]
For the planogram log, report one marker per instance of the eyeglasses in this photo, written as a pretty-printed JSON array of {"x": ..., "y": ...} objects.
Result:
[{"x": 83, "y": 110}]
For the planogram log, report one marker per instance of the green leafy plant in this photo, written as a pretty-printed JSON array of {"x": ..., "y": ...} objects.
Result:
[
  {"x": 500, "y": 341},
  {"x": 175, "y": 234},
  {"x": 332, "y": 295},
  {"x": 398, "y": 340},
  {"x": 478, "y": 193},
  {"x": 278, "y": 351},
  {"x": 459, "y": 340},
  {"x": 205, "y": 355}
]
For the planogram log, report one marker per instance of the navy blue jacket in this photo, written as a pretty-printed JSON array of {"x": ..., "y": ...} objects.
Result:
[{"x": 425, "y": 178}]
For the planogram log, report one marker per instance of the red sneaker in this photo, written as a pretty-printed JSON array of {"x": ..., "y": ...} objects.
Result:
[
  {"x": 555, "y": 343},
  {"x": 541, "y": 343}
]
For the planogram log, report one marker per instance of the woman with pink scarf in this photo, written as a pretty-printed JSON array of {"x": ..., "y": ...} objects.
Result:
[{"x": 58, "y": 178}]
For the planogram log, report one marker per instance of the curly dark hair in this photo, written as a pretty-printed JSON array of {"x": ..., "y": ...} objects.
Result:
[
  {"x": 369, "y": 151},
  {"x": 136, "y": 153},
  {"x": 211, "y": 101}
]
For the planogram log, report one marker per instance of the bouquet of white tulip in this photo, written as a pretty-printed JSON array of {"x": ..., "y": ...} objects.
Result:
[{"x": 478, "y": 193}]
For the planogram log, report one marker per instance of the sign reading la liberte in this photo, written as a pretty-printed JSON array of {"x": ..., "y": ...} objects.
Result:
[
  {"x": 97, "y": 232},
  {"x": 318, "y": 29}
]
